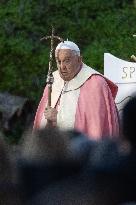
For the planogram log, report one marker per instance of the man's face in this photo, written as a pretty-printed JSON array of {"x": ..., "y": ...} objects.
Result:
[{"x": 68, "y": 63}]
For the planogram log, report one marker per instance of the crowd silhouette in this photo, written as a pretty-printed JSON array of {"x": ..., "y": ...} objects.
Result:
[{"x": 65, "y": 167}]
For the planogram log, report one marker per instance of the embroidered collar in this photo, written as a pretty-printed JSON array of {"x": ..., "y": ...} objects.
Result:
[{"x": 76, "y": 82}]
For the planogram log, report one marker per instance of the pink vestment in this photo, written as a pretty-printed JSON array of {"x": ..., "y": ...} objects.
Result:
[{"x": 85, "y": 103}]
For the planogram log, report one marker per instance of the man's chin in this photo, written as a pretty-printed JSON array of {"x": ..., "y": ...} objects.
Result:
[{"x": 65, "y": 77}]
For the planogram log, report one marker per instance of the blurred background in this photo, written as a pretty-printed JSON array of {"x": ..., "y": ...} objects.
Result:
[{"x": 96, "y": 26}]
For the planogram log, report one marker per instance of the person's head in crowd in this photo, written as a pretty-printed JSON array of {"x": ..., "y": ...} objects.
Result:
[
  {"x": 129, "y": 121},
  {"x": 50, "y": 155},
  {"x": 10, "y": 194}
]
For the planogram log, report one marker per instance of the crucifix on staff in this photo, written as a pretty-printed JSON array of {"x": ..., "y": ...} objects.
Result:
[{"x": 50, "y": 78}]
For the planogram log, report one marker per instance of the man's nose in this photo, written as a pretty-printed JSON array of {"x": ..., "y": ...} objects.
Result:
[{"x": 63, "y": 66}]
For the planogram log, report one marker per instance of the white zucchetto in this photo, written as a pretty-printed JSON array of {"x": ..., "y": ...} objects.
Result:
[{"x": 68, "y": 45}]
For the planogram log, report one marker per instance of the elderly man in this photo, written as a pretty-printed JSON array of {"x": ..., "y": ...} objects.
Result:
[{"x": 82, "y": 98}]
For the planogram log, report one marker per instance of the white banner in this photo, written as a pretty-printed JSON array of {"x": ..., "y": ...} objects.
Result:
[{"x": 122, "y": 73}]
